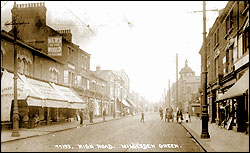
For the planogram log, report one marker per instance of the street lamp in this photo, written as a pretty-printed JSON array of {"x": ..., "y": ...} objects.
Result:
[
  {"x": 15, "y": 119},
  {"x": 204, "y": 114},
  {"x": 121, "y": 87},
  {"x": 114, "y": 100}
]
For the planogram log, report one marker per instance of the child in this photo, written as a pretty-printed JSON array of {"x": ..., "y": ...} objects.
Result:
[{"x": 187, "y": 116}]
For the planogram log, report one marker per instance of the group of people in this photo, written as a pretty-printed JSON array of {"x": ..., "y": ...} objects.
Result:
[
  {"x": 82, "y": 116},
  {"x": 170, "y": 116}
]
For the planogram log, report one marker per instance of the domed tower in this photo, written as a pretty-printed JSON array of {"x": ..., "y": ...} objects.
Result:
[{"x": 186, "y": 71}]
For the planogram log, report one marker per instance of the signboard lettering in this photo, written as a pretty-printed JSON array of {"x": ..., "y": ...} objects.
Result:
[{"x": 55, "y": 46}]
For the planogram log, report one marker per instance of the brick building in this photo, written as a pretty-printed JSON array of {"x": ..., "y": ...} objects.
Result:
[
  {"x": 228, "y": 61},
  {"x": 64, "y": 70}
]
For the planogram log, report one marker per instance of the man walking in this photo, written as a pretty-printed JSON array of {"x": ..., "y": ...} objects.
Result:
[
  {"x": 91, "y": 116},
  {"x": 104, "y": 114},
  {"x": 142, "y": 115},
  {"x": 81, "y": 117}
]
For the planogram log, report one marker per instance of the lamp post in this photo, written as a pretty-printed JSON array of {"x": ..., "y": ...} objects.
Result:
[
  {"x": 15, "y": 121},
  {"x": 121, "y": 87},
  {"x": 204, "y": 114},
  {"x": 114, "y": 100}
]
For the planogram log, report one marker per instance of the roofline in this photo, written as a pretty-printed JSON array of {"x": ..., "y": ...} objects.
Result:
[{"x": 7, "y": 35}]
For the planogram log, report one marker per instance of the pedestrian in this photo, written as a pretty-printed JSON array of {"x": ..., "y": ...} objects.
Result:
[
  {"x": 81, "y": 117},
  {"x": 166, "y": 114},
  {"x": 187, "y": 117},
  {"x": 104, "y": 114},
  {"x": 161, "y": 113},
  {"x": 91, "y": 116},
  {"x": 179, "y": 116},
  {"x": 142, "y": 115}
]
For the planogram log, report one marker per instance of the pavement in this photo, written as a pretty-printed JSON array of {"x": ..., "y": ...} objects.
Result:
[
  {"x": 221, "y": 139},
  {"x": 48, "y": 129}
]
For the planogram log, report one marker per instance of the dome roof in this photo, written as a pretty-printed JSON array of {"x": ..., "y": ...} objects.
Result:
[{"x": 186, "y": 69}]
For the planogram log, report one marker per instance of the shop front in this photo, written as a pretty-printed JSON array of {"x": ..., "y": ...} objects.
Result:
[
  {"x": 124, "y": 108},
  {"x": 233, "y": 106},
  {"x": 132, "y": 106},
  {"x": 37, "y": 100}
]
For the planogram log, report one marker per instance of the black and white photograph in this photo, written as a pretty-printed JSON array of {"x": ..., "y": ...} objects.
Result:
[{"x": 124, "y": 76}]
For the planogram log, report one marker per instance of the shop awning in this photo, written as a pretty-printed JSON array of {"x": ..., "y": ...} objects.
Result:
[
  {"x": 238, "y": 89},
  {"x": 125, "y": 103},
  {"x": 75, "y": 102},
  {"x": 131, "y": 102}
]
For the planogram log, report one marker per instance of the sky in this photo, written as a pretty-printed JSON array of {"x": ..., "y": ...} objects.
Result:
[{"x": 141, "y": 37}]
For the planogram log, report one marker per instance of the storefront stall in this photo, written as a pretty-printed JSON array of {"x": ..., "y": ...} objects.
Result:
[
  {"x": 40, "y": 99},
  {"x": 234, "y": 105}
]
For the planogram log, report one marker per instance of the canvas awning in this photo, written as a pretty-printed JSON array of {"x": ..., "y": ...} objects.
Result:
[
  {"x": 131, "y": 102},
  {"x": 238, "y": 89},
  {"x": 125, "y": 103},
  {"x": 75, "y": 102}
]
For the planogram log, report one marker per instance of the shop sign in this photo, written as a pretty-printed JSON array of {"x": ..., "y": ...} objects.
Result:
[
  {"x": 45, "y": 89},
  {"x": 55, "y": 46}
]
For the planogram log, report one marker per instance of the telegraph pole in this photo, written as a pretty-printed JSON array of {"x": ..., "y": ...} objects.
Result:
[
  {"x": 15, "y": 118},
  {"x": 169, "y": 96},
  {"x": 177, "y": 81},
  {"x": 114, "y": 100},
  {"x": 204, "y": 114}
]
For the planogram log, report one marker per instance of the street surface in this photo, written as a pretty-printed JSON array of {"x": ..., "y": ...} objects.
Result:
[{"x": 123, "y": 135}]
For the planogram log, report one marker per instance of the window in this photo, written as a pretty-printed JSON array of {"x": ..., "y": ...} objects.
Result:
[
  {"x": 54, "y": 74},
  {"x": 235, "y": 53},
  {"x": 54, "y": 77},
  {"x": 87, "y": 83},
  {"x": 231, "y": 20},
  {"x": 245, "y": 42},
  {"x": 70, "y": 78},
  {"x": 216, "y": 38},
  {"x": 20, "y": 66},
  {"x": 227, "y": 62},
  {"x": 240, "y": 51},
  {"x": 216, "y": 64},
  {"x": 24, "y": 67},
  {"x": 229, "y": 23}
]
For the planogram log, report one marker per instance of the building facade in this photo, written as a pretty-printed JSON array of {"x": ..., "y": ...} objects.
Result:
[
  {"x": 227, "y": 61},
  {"x": 47, "y": 58}
]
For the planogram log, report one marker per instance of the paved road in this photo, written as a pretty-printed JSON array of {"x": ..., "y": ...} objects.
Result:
[{"x": 128, "y": 134}]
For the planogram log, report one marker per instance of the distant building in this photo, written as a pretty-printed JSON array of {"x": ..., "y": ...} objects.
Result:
[{"x": 188, "y": 85}]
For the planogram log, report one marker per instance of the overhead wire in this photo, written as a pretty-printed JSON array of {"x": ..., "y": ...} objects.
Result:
[{"x": 81, "y": 21}]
